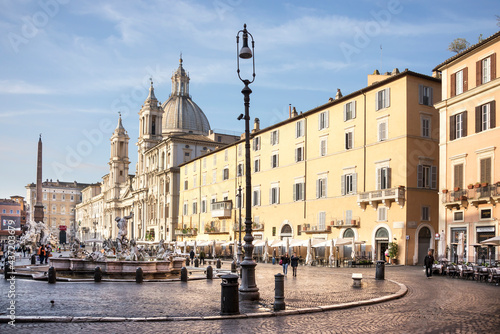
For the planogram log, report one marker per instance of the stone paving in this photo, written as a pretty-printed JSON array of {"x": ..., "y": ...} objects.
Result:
[{"x": 437, "y": 305}]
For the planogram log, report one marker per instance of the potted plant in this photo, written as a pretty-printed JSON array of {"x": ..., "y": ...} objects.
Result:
[
  {"x": 470, "y": 186},
  {"x": 484, "y": 184},
  {"x": 445, "y": 191},
  {"x": 457, "y": 189},
  {"x": 463, "y": 198},
  {"x": 393, "y": 251},
  {"x": 477, "y": 185}
]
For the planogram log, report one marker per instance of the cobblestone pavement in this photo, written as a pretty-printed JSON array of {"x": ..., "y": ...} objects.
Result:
[{"x": 437, "y": 305}]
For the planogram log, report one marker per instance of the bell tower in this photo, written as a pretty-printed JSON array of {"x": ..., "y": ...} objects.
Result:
[{"x": 118, "y": 162}]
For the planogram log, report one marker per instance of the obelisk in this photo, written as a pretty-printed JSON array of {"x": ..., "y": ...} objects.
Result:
[{"x": 38, "y": 214}]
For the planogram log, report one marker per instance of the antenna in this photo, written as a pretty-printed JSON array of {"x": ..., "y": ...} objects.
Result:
[{"x": 381, "y": 58}]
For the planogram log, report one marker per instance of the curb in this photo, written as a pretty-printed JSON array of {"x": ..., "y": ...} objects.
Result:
[{"x": 34, "y": 319}]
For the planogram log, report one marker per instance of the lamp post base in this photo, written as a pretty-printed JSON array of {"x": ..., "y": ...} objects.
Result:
[{"x": 248, "y": 288}]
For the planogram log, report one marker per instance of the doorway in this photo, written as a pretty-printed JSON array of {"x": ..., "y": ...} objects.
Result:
[
  {"x": 382, "y": 243},
  {"x": 424, "y": 242}
]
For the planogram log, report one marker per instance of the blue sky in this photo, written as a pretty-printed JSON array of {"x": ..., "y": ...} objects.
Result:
[{"x": 68, "y": 66}]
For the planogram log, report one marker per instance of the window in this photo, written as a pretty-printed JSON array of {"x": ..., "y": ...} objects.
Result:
[
  {"x": 215, "y": 159},
  {"x": 349, "y": 140},
  {"x": 425, "y": 95},
  {"x": 458, "y": 216},
  {"x": 458, "y": 176},
  {"x": 63, "y": 197},
  {"x": 426, "y": 176},
  {"x": 382, "y": 130},
  {"x": 485, "y": 170},
  {"x": 185, "y": 170},
  {"x": 11, "y": 211},
  {"x": 240, "y": 169},
  {"x": 485, "y": 117},
  {"x": 485, "y": 70},
  {"x": 204, "y": 205},
  {"x": 323, "y": 147},
  {"x": 382, "y": 214},
  {"x": 4, "y": 211},
  {"x": 194, "y": 181},
  {"x": 383, "y": 178},
  {"x": 256, "y": 165},
  {"x": 274, "y": 231},
  {"x": 426, "y": 213},
  {"x": 299, "y": 129},
  {"x": 185, "y": 209},
  {"x": 348, "y": 184},
  {"x": 299, "y": 154},
  {"x": 214, "y": 175},
  {"x": 54, "y": 208},
  {"x": 72, "y": 198},
  {"x": 256, "y": 144},
  {"x": 321, "y": 187},
  {"x": 226, "y": 155},
  {"x": 256, "y": 196},
  {"x": 323, "y": 120},
  {"x": 425, "y": 126},
  {"x": 275, "y": 160},
  {"x": 298, "y": 191},
  {"x": 458, "y": 82},
  {"x": 54, "y": 196},
  {"x": 275, "y": 137},
  {"x": 274, "y": 194},
  {"x": 458, "y": 125},
  {"x": 240, "y": 149},
  {"x": 321, "y": 220},
  {"x": 349, "y": 111},
  {"x": 44, "y": 196},
  {"x": 204, "y": 179},
  {"x": 225, "y": 173},
  {"x": 382, "y": 99},
  {"x": 195, "y": 208},
  {"x": 185, "y": 184}
]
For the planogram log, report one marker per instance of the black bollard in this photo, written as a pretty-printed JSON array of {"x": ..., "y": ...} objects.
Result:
[
  {"x": 97, "y": 274},
  {"x": 219, "y": 264},
  {"x": 139, "y": 275},
  {"x": 279, "y": 292},
  {"x": 380, "y": 270},
  {"x": 52, "y": 275},
  {"x": 7, "y": 268},
  {"x": 33, "y": 259},
  {"x": 196, "y": 262},
  {"x": 233, "y": 266},
  {"x": 230, "y": 303},
  {"x": 184, "y": 274},
  {"x": 210, "y": 272}
]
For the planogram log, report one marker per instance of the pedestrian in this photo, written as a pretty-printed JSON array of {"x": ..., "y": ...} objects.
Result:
[
  {"x": 294, "y": 261},
  {"x": 24, "y": 251},
  {"x": 285, "y": 260},
  {"x": 428, "y": 261},
  {"x": 202, "y": 258},
  {"x": 191, "y": 256},
  {"x": 41, "y": 253},
  {"x": 48, "y": 250}
]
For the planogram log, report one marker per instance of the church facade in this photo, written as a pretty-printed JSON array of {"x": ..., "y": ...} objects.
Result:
[{"x": 170, "y": 133}]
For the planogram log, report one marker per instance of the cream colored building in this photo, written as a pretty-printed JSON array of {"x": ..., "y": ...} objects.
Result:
[
  {"x": 362, "y": 166},
  {"x": 170, "y": 133},
  {"x": 469, "y": 137}
]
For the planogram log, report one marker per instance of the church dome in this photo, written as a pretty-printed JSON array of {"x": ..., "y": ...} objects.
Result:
[{"x": 180, "y": 113}]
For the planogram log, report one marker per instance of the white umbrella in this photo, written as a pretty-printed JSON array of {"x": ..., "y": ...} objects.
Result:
[
  {"x": 213, "y": 250},
  {"x": 309, "y": 255},
  {"x": 442, "y": 245},
  {"x": 185, "y": 247},
  {"x": 331, "y": 259},
  {"x": 353, "y": 250},
  {"x": 235, "y": 251},
  {"x": 342, "y": 242},
  {"x": 195, "y": 251},
  {"x": 495, "y": 241},
  {"x": 460, "y": 246},
  {"x": 266, "y": 255}
]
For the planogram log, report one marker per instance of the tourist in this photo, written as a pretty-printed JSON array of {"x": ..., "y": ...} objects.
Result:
[
  {"x": 285, "y": 260},
  {"x": 428, "y": 261},
  {"x": 41, "y": 253},
  {"x": 294, "y": 261},
  {"x": 48, "y": 251},
  {"x": 202, "y": 258},
  {"x": 191, "y": 255},
  {"x": 24, "y": 251}
]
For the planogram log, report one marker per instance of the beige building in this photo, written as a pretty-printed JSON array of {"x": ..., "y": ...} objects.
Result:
[
  {"x": 469, "y": 137},
  {"x": 170, "y": 133},
  {"x": 59, "y": 202},
  {"x": 362, "y": 166}
]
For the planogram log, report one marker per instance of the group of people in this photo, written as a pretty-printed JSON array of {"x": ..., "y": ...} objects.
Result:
[
  {"x": 44, "y": 253},
  {"x": 287, "y": 260}
]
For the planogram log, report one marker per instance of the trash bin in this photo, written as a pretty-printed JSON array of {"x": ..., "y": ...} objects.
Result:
[
  {"x": 380, "y": 270},
  {"x": 230, "y": 303}
]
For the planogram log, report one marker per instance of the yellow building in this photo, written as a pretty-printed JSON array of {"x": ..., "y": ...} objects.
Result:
[
  {"x": 469, "y": 168},
  {"x": 362, "y": 166}
]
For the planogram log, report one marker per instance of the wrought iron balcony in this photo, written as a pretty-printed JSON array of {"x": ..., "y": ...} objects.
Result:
[
  {"x": 385, "y": 196},
  {"x": 474, "y": 195},
  {"x": 187, "y": 232},
  {"x": 221, "y": 209},
  {"x": 339, "y": 223},
  {"x": 216, "y": 227},
  {"x": 313, "y": 229}
]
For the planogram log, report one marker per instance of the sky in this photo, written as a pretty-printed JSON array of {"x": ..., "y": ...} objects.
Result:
[{"x": 68, "y": 67}]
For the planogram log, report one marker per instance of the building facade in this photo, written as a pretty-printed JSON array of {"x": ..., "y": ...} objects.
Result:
[
  {"x": 59, "y": 202},
  {"x": 170, "y": 133},
  {"x": 469, "y": 137},
  {"x": 362, "y": 166}
]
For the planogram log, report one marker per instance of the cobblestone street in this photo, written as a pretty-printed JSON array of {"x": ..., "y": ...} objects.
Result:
[{"x": 437, "y": 305}]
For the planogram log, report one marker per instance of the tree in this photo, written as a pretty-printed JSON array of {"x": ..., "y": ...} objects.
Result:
[
  {"x": 458, "y": 45},
  {"x": 498, "y": 20}
]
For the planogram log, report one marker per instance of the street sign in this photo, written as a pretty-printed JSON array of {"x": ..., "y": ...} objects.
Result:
[{"x": 407, "y": 237}]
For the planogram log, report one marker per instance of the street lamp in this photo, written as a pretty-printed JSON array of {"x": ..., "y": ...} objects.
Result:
[
  {"x": 95, "y": 233},
  {"x": 240, "y": 253},
  {"x": 248, "y": 288}
]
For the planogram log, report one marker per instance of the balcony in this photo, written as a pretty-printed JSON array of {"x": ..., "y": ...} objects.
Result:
[
  {"x": 385, "y": 196},
  {"x": 474, "y": 195},
  {"x": 456, "y": 199},
  {"x": 221, "y": 209},
  {"x": 216, "y": 227},
  {"x": 314, "y": 229},
  {"x": 255, "y": 226},
  {"x": 186, "y": 232},
  {"x": 339, "y": 223}
]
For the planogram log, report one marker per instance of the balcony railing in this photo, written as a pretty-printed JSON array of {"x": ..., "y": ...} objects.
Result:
[
  {"x": 187, "y": 232},
  {"x": 216, "y": 227},
  {"x": 310, "y": 229},
  {"x": 382, "y": 196},
  {"x": 475, "y": 195},
  {"x": 255, "y": 226},
  {"x": 221, "y": 209},
  {"x": 339, "y": 223}
]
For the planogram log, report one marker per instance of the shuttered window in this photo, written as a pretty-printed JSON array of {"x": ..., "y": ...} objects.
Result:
[
  {"x": 298, "y": 191},
  {"x": 323, "y": 147},
  {"x": 485, "y": 165},
  {"x": 458, "y": 176},
  {"x": 299, "y": 154},
  {"x": 426, "y": 176},
  {"x": 425, "y": 95},
  {"x": 383, "y": 178},
  {"x": 485, "y": 117},
  {"x": 323, "y": 120},
  {"x": 348, "y": 183},
  {"x": 348, "y": 140},
  {"x": 321, "y": 187},
  {"x": 299, "y": 129},
  {"x": 486, "y": 70},
  {"x": 349, "y": 110},
  {"x": 275, "y": 137},
  {"x": 382, "y": 130},
  {"x": 458, "y": 125},
  {"x": 458, "y": 82},
  {"x": 274, "y": 194},
  {"x": 382, "y": 99}
]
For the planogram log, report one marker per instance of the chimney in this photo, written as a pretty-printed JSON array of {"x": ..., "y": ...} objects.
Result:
[
  {"x": 256, "y": 125},
  {"x": 395, "y": 71},
  {"x": 290, "y": 110},
  {"x": 338, "y": 95},
  {"x": 294, "y": 112}
]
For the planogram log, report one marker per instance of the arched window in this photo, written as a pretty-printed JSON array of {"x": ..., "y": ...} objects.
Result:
[
  {"x": 382, "y": 234},
  {"x": 349, "y": 233}
]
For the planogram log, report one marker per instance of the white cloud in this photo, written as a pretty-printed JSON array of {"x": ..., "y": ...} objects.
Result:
[{"x": 21, "y": 87}]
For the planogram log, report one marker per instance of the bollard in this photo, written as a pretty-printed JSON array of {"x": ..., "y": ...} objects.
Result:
[
  {"x": 279, "y": 292},
  {"x": 230, "y": 303},
  {"x": 219, "y": 264},
  {"x": 184, "y": 274},
  {"x": 33, "y": 259},
  {"x": 196, "y": 262},
  {"x": 233, "y": 266},
  {"x": 380, "y": 270},
  {"x": 138, "y": 275},
  {"x": 210, "y": 272},
  {"x": 97, "y": 274},
  {"x": 52, "y": 275},
  {"x": 7, "y": 269}
]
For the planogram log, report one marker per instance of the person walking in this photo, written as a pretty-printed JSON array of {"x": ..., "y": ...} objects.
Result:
[
  {"x": 48, "y": 251},
  {"x": 191, "y": 256},
  {"x": 285, "y": 260},
  {"x": 294, "y": 261},
  {"x": 41, "y": 253},
  {"x": 202, "y": 258},
  {"x": 428, "y": 261}
]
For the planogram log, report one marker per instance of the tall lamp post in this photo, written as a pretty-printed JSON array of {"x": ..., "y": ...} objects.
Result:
[
  {"x": 95, "y": 233},
  {"x": 240, "y": 253},
  {"x": 248, "y": 287}
]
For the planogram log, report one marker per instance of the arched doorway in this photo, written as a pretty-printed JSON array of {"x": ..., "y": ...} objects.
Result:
[
  {"x": 382, "y": 242},
  {"x": 285, "y": 234},
  {"x": 348, "y": 234},
  {"x": 62, "y": 237},
  {"x": 424, "y": 241}
]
